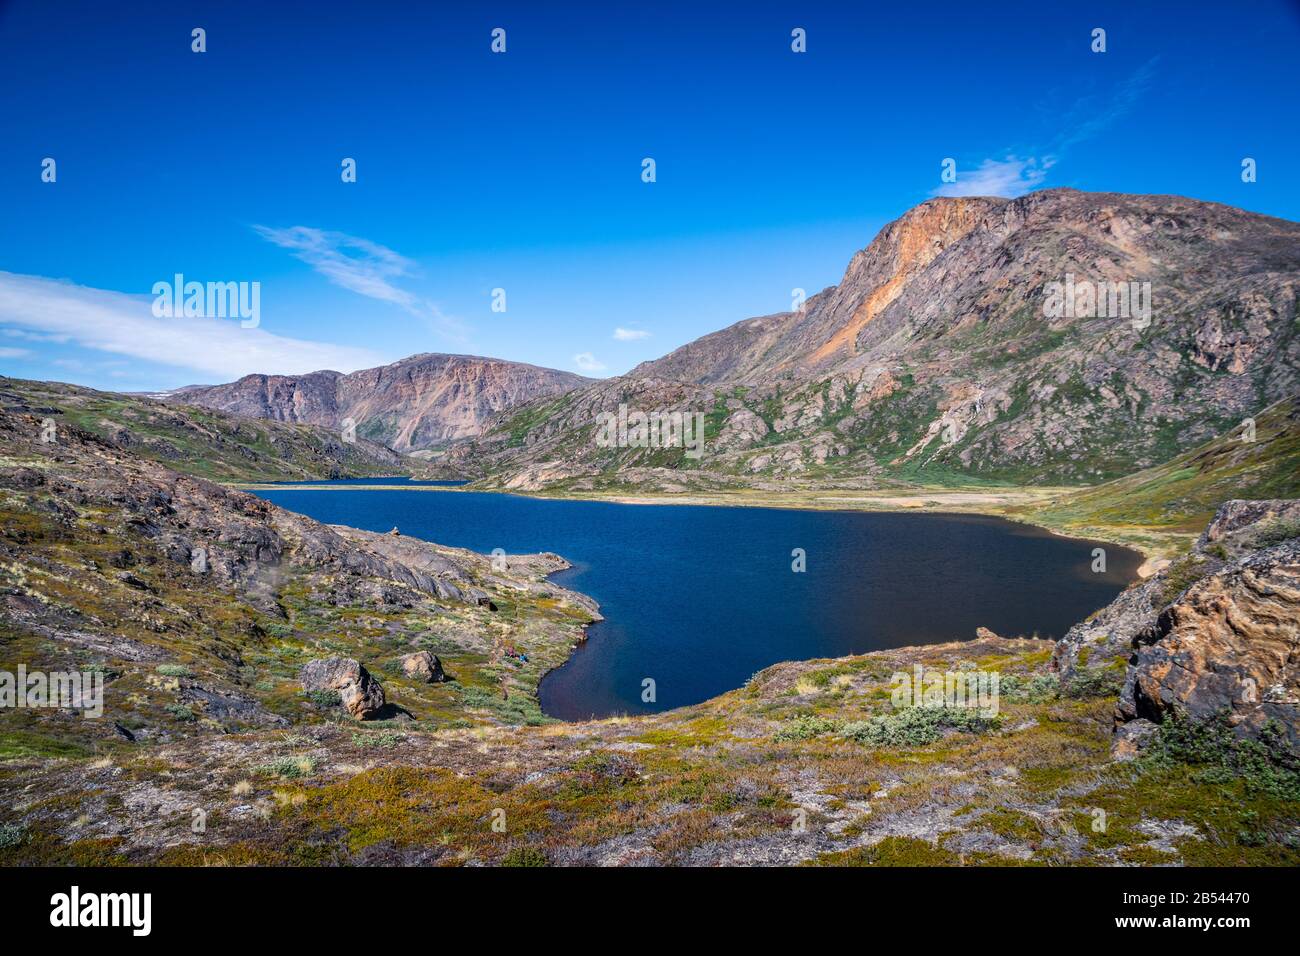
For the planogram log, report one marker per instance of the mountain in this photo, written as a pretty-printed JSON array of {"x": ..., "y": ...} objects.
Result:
[
  {"x": 1181, "y": 495},
  {"x": 420, "y": 402},
  {"x": 202, "y": 442},
  {"x": 964, "y": 344}
]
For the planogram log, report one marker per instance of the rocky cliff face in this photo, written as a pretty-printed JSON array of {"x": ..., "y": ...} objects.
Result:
[
  {"x": 420, "y": 402},
  {"x": 944, "y": 350},
  {"x": 212, "y": 444},
  {"x": 1214, "y": 635}
]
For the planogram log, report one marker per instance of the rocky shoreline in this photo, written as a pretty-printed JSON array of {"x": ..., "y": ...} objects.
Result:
[{"x": 214, "y": 706}]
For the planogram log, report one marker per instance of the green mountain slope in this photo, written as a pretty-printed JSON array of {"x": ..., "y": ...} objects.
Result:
[
  {"x": 199, "y": 441},
  {"x": 1181, "y": 495}
]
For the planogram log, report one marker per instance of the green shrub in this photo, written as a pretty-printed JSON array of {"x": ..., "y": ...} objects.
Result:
[
  {"x": 12, "y": 834},
  {"x": 289, "y": 768},
  {"x": 525, "y": 856},
  {"x": 377, "y": 739},
  {"x": 173, "y": 670},
  {"x": 1264, "y": 765},
  {"x": 1093, "y": 682},
  {"x": 325, "y": 698},
  {"x": 917, "y": 726},
  {"x": 180, "y": 712},
  {"x": 806, "y": 727},
  {"x": 1275, "y": 532},
  {"x": 1180, "y": 576},
  {"x": 1035, "y": 689}
]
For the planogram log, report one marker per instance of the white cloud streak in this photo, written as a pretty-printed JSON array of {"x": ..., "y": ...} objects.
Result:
[
  {"x": 1014, "y": 176},
  {"x": 630, "y": 335},
  {"x": 588, "y": 362},
  {"x": 363, "y": 267},
  {"x": 1010, "y": 177},
  {"x": 122, "y": 324}
]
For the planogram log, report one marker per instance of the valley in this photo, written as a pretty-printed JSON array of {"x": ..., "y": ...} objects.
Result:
[{"x": 338, "y": 660}]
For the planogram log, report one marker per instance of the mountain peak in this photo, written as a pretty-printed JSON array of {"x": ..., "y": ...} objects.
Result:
[{"x": 417, "y": 402}]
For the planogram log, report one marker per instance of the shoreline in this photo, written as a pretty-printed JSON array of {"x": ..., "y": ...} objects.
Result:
[
  {"x": 825, "y": 500},
  {"x": 1157, "y": 546}
]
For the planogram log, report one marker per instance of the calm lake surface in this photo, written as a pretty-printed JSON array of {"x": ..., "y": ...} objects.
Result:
[{"x": 700, "y": 598}]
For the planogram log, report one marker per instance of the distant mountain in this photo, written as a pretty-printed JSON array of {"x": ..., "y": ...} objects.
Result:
[
  {"x": 961, "y": 344},
  {"x": 420, "y": 402},
  {"x": 199, "y": 441}
]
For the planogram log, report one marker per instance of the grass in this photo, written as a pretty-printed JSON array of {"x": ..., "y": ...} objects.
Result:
[{"x": 289, "y": 768}]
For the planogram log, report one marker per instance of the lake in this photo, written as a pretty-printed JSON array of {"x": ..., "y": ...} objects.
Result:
[{"x": 700, "y": 598}]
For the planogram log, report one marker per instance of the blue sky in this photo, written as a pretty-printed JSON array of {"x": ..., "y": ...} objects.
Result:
[{"x": 522, "y": 170}]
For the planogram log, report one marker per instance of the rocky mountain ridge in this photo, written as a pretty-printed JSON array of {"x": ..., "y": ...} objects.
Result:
[
  {"x": 417, "y": 403},
  {"x": 204, "y": 442},
  {"x": 936, "y": 358}
]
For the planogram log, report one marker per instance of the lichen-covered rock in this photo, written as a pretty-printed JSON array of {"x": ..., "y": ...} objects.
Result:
[
  {"x": 423, "y": 666},
  {"x": 1238, "y": 530},
  {"x": 1131, "y": 738},
  {"x": 362, "y": 695},
  {"x": 1228, "y": 644}
]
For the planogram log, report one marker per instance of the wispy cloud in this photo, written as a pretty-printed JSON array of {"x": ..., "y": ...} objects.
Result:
[
  {"x": 630, "y": 335},
  {"x": 1090, "y": 116},
  {"x": 1008, "y": 177},
  {"x": 1087, "y": 118},
  {"x": 12, "y": 353},
  {"x": 588, "y": 362},
  {"x": 125, "y": 325},
  {"x": 363, "y": 267},
  {"x": 32, "y": 336}
]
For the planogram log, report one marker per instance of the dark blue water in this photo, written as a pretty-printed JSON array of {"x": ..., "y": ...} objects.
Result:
[
  {"x": 396, "y": 480},
  {"x": 700, "y": 598}
]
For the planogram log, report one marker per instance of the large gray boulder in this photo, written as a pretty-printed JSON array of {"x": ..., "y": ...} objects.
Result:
[
  {"x": 362, "y": 695},
  {"x": 423, "y": 666}
]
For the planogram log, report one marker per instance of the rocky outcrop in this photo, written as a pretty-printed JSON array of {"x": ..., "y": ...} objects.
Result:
[
  {"x": 362, "y": 695},
  {"x": 423, "y": 666},
  {"x": 419, "y": 402},
  {"x": 1215, "y": 633},
  {"x": 1230, "y": 644}
]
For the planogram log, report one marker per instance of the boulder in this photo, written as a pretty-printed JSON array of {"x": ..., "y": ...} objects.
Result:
[
  {"x": 423, "y": 666},
  {"x": 983, "y": 633},
  {"x": 1226, "y": 645},
  {"x": 1131, "y": 738},
  {"x": 362, "y": 695}
]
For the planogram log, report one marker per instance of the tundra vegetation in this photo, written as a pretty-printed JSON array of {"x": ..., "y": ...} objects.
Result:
[
  {"x": 809, "y": 762},
  {"x": 1162, "y": 730}
]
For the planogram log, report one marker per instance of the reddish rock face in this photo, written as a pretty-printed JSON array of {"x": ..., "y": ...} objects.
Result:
[
  {"x": 362, "y": 695},
  {"x": 423, "y": 666},
  {"x": 419, "y": 402},
  {"x": 938, "y": 348},
  {"x": 1228, "y": 644}
]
